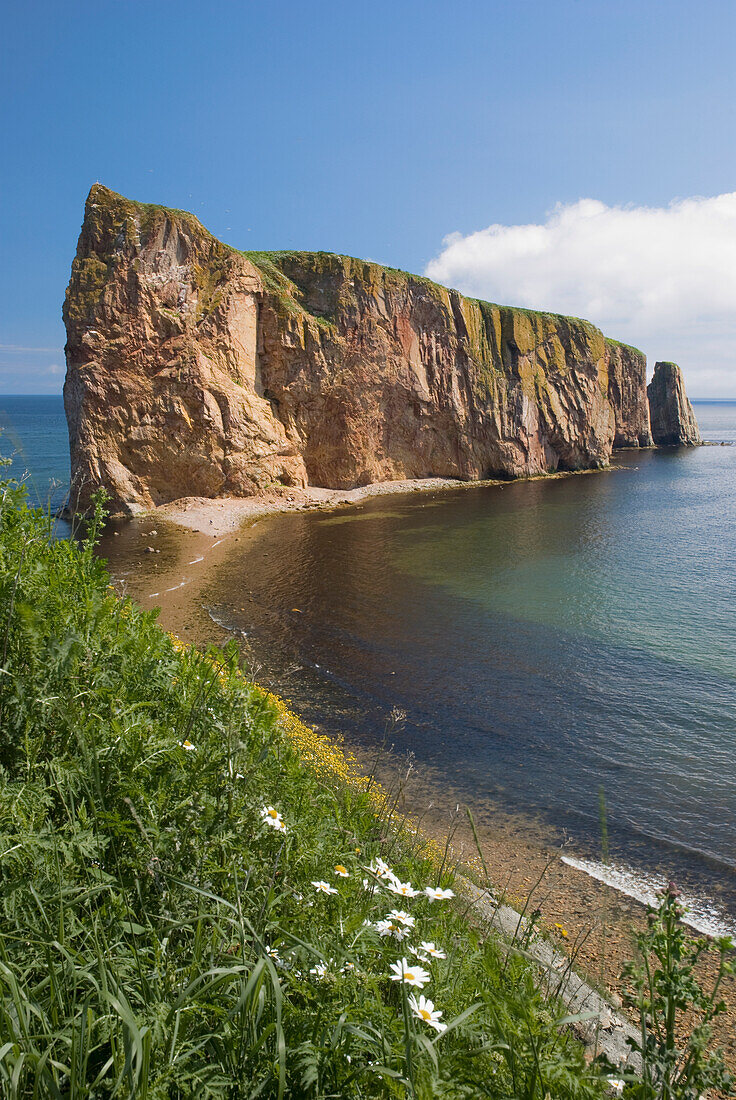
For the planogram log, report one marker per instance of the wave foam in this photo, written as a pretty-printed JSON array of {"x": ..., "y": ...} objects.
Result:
[
  {"x": 224, "y": 624},
  {"x": 702, "y": 913}
]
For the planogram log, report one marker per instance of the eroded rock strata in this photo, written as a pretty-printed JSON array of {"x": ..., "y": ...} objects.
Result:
[
  {"x": 672, "y": 417},
  {"x": 195, "y": 369}
]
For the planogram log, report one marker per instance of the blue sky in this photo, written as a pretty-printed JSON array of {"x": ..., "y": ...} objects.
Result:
[{"x": 373, "y": 129}]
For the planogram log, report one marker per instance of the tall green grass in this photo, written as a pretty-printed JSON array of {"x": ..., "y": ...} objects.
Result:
[{"x": 158, "y": 937}]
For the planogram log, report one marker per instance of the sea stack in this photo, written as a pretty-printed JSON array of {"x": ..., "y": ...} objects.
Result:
[
  {"x": 672, "y": 417},
  {"x": 194, "y": 369}
]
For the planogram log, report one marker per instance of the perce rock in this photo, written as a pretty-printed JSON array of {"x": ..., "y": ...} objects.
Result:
[
  {"x": 195, "y": 369},
  {"x": 672, "y": 417}
]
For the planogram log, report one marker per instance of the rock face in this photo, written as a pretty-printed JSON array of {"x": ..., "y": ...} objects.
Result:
[
  {"x": 672, "y": 417},
  {"x": 195, "y": 369}
]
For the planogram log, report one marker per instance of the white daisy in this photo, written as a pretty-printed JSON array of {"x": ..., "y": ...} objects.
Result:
[
  {"x": 319, "y": 971},
  {"x": 187, "y": 745},
  {"x": 341, "y": 871},
  {"x": 403, "y": 889},
  {"x": 391, "y": 928},
  {"x": 380, "y": 869},
  {"x": 424, "y": 1010},
  {"x": 346, "y": 967},
  {"x": 273, "y": 818},
  {"x": 403, "y": 971},
  {"x": 427, "y": 948},
  {"x": 273, "y": 953},
  {"x": 436, "y": 893},
  {"x": 324, "y": 887},
  {"x": 617, "y": 1086},
  {"x": 402, "y": 917}
]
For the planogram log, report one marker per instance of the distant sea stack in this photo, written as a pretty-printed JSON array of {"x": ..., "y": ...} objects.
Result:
[
  {"x": 196, "y": 369},
  {"x": 672, "y": 417}
]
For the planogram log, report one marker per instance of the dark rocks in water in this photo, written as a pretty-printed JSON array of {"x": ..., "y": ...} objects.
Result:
[{"x": 672, "y": 417}]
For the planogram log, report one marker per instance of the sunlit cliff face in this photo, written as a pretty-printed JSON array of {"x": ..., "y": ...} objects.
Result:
[{"x": 194, "y": 369}]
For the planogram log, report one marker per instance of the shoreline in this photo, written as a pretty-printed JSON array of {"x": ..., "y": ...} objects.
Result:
[
  {"x": 225, "y": 515},
  {"x": 589, "y": 919}
]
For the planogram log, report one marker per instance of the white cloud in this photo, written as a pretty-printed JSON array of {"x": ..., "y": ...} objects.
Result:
[
  {"x": 18, "y": 348},
  {"x": 661, "y": 278}
]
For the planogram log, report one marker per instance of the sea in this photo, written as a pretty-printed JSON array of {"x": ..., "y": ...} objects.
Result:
[
  {"x": 34, "y": 438},
  {"x": 563, "y": 648}
]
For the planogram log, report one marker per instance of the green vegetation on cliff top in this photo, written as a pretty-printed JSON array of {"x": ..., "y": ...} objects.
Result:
[
  {"x": 147, "y": 214},
  {"x": 626, "y": 347}
]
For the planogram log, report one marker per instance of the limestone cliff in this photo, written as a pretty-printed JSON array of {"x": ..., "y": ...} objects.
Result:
[
  {"x": 672, "y": 417},
  {"x": 195, "y": 369}
]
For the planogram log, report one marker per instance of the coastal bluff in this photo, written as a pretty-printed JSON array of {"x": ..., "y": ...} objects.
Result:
[{"x": 194, "y": 369}]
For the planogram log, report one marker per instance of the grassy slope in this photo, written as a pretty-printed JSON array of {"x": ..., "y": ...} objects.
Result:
[{"x": 141, "y": 890}]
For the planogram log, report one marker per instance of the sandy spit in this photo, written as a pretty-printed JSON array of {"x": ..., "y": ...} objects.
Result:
[{"x": 225, "y": 515}]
